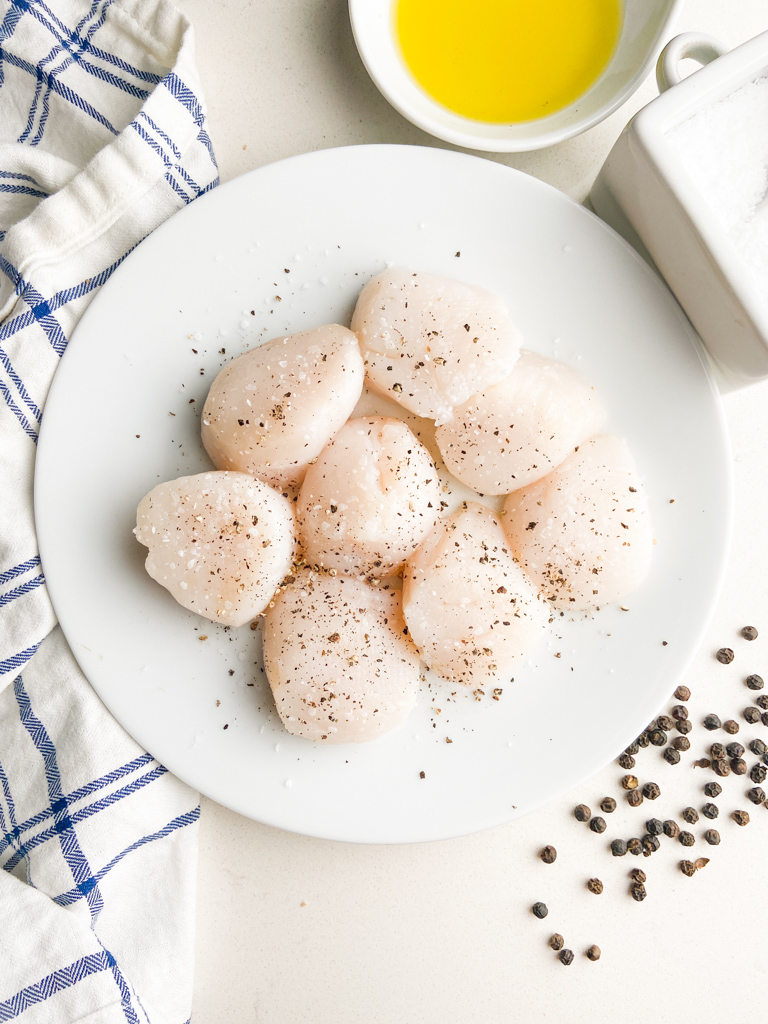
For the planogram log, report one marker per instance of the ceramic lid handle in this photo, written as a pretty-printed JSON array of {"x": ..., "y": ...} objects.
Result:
[{"x": 696, "y": 45}]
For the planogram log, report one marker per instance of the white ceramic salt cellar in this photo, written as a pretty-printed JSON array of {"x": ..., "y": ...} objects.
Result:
[{"x": 647, "y": 194}]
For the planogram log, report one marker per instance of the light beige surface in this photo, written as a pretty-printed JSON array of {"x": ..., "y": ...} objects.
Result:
[{"x": 294, "y": 930}]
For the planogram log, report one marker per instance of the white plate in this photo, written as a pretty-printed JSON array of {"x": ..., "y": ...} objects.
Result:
[{"x": 119, "y": 418}]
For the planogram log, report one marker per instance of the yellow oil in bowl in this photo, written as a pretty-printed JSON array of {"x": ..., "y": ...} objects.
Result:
[{"x": 502, "y": 61}]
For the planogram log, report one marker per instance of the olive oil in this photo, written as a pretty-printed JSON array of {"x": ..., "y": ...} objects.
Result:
[{"x": 506, "y": 60}]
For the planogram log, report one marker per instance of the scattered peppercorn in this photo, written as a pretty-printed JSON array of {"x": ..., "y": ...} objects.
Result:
[
  {"x": 654, "y": 826},
  {"x": 762, "y": 701},
  {"x": 635, "y": 847},
  {"x": 657, "y": 737},
  {"x": 688, "y": 867},
  {"x": 635, "y": 797},
  {"x": 681, "y": 743},
  {"x": 630, "y": 782},
  {"x": 593, "y": 953},
  {"x": 738, "y": 766},
  {"x": 581, "y": 812},
  {"x": 755, "y": 682},
  {"x": 734, "y": 750},
  {"x": 680, "y": 712},
  {"x": 741, "y": 817},
  {"x": 643, "y": 740},
  {"x": 691, "y": 815},
  {"x": 597, "y": 824},
  {"x": 633, "y": 748},
  {"x": 758, "y": 773},
  {"x": 764, "y": 718},
  {"x": 712, "y": 836},
  {"x": 713, "y": 789},
  {"x": 718, "y": 751},
  {"x": 638, "y": 892},
  {"x": 540, "y": 910},
  {"x": 703, "y": 762},
  {"x": 731, "y": 727},
  {"x": 626, "y": 761},
  {"x": 651, "y": 791},
  {"x": 566, "y": 957},
  {"x": 686, "y": 838},
  {"x": 557, "y": 941},
  {"x": 548, "y": 855},
  {"x": 721, "y": 768},
  {"x": 637, "y": 875},
  {"x": 682, "y": 693},
  {"x": 725, "y": 655},
  {"x": 712, "y": 722},
  {"x": 665, "y": 723},
  {"x": 595, "y": 885},
  {"x": 749, "y": 633},
  {"x": 758, "y": 747},
  {"x": 619, "y": 848},
  {"x": 751, "y": 715},
  {"x": 710, "y": 810},
  {"x": 650, "y": 844},
  {"x": 671, "y": 829},
  {"x": 757, "y": 795},
  {"x": 684, "y": 726},
  {"x": 608, "y": 805}
]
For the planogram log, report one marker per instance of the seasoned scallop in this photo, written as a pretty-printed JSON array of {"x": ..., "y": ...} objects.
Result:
[
  {"x": 469, "y": 608},
  {"x": 273, "y": 409},
  {"x": 219, "y": 542},
  {"x": 583, "y": 532},
  {"x": 338, "y": 658},
  {"x": 370, "y": 498},
  {"x": 430, "y": 342},
  {"x": 518, "y": 430}
]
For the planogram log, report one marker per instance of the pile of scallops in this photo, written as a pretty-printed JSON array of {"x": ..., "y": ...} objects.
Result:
[{"x": 332, "y": 527}]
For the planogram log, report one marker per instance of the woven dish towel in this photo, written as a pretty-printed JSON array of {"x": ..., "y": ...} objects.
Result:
[{"x": 102, "y": 137}]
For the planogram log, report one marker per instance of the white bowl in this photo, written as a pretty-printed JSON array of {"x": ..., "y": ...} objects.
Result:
[
  {"x": 646, "y": 193},
  {"x": 646, "y": 24}
]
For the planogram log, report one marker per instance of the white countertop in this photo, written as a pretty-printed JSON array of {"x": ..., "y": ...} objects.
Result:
[{"x": 294, "y": 930}]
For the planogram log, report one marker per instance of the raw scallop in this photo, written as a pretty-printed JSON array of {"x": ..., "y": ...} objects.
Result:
[
  {"x": 583, "y": 533},
  {"x": 468, "y": 606},
  {"x": 518, "y": 430},
  {"x": 273, "y": 409},
  {"x": 220, "y": 543},
  {"x": 430, "y": 343},
  {"x": 338, "y": 659},
  {"x": 370, "y": 498}
]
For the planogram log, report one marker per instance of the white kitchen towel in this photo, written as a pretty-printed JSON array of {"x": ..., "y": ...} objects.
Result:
[{"x": 102, "y": 137}]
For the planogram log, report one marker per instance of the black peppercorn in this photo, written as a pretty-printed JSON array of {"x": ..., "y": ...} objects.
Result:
[
  {"x": 654, "y": 826},
  {"x": 724, "y": 655},
  {"x": 681, "y": 743},
  {"x": 638, "y": 892},
  {"x": 540, "y": 910},
  {"x": 749, "y": 633},
  {"x": 643, "y": 740},
  {"x": 680, "y": 712},
  {"x": 608, "y": 805},
  {"x": 718, "y": 751},
  {"x": 764, "y": 718},
  {"x": 758, "y": 747},
  {"x": 710, "y": 810},
  {"x": 686, "y": 839},
  {"x": 688, "y": 867},
  {"x": 633, "y": 748},
  {"x": 557, "y": 941},
  {"x": 734, "y": 750},
  {"x": 691, "y": 815},
  {"x": 566, "y": 957},
  {"x": 637, "y": 875},
  {"x": 581, "y": 812},
  {"x": 671, "y": 829},
  {"x": 548, "y": 854},
  {"x": 713, "y": 789},
  {"x": 595, "y": 885},
  {"x": 758, "y": 773},
  {"x": 712, "y": 722},
  {"x": 593, "y": 953},
  {"x": 635, "y": 797},
  {"x": 682, "y": 693},
  {"x": 751, "y": 715},
  {"x": 731, "y": 727},
  {"x": 757, "y": 795},
  {"x": 741, "y": 817},
  {"x": 684, "y": 726},
  {"x": 672, "y": 756},
  {"x": 738, "y": 766},
  {"x": 721, "y": 768},
  {"x": 618, "y": 848},
  {"x": 665, "y": 723},
  {"x": 629, "y": 782},
  {"x": 762, "y": 701},
  {"x": 755, "y": 682},
  {"x": 597, "y": 824},
  {"x": 712, "y": 836},
  {"x": 651, "y": 791},
  {"x": 657, "y": 737},
  {"x": 650, "y": 844},
  {"x": 626, "y": 761}
]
